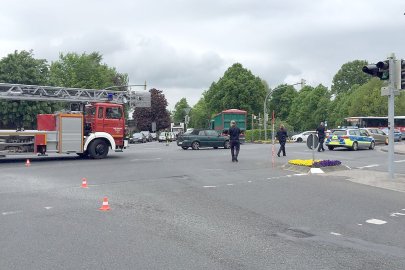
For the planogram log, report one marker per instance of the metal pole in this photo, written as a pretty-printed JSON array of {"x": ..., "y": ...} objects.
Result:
[
  {"x": 252, "y": 127},
  {"x": 391, "y": 116},
  {"x": 265, "y": 122},
  {"x": 272, "y": 139}
]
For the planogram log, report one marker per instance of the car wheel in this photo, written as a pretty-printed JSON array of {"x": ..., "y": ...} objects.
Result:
[
  {"x": 372, "y": 145},
  {"x": 195, "y": 145},
  {"x": 331, "y": 148},
  {"x": 184, "y": 147},
  {"x": 355, "y": 146},
  {"x": 227, "y": 145},
  {"x": 299, "y": 140}
]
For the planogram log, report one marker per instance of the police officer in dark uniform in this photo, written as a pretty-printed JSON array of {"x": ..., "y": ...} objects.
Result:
[
  {"x": 234, "y": 133},
  {"x": 282, "y": 139},
  {"x": 321, "y": 136}
]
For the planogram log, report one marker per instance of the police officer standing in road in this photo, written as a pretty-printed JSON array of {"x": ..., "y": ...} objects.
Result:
[
  {"x": 234, "y": 133},
  {"x": 282, "y": 139},
  {"x": 321, "y": 136}
]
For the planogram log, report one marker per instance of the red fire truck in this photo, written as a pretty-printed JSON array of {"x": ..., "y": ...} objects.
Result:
[{"x": 95, "y": 126}]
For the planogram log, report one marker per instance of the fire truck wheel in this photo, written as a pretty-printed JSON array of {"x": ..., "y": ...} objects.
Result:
[{"x": 98, "y": 149}]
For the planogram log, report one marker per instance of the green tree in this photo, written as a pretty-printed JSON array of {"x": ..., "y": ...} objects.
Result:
[
  {"x": 309, "y": 108},
  {"x": 237, "y": 89},
  {"x": 367, "y": 100},
  {"x": 22, "y": 68},
  {"x": 84, "y": 71},
  {"x": 200, "y": 116},
  {"x": 281, "y": 100},
  {"x": 157, "y": 113},
  {"x": 350, "y": 74},
  {"x": 179, "y": 112}
]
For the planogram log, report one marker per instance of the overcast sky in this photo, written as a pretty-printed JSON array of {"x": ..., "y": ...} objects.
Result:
[{"x": 182, "y": 46}]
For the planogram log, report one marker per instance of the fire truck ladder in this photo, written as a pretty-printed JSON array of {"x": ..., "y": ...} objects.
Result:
[{"x": 50, "y": 93}]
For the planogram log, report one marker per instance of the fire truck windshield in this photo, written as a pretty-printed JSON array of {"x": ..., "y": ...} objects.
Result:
[{"x": 90, "y": 111}]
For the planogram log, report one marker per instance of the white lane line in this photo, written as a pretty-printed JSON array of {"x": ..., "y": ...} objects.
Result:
[
  {"x": 249, "y": 181},
  {"x": 337, "y": 234},
  {"x": 360, "y": 224},
  {"x": 300, "y": 174},
  {"x": 368, "y": 166},
  {"x": 48, "y": 207},
  {"x": 376, "y": 221},
  {"x": 397, "y": 214},
  {"x": 209, "y": 186},
  {"x": 229, "y": 184},
  {"x": 11, "y": 212},
  {"x": 398, "y": 161}
]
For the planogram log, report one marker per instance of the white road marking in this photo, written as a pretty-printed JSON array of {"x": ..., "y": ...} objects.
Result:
[
  {"x": 48, "y": 207},
  {"x": 300, "y": 174},
  {"x": 397, "y": 214},
  {"x": 398, "y": 161},
  {"x": 249, "y": 181},
  {"x": 360, "y": 224},
  {"x": 229, "y": 184},
  {"x": 11, "y": 212},
  {"x": 210, "y": 186},
  {"x": 368, "y": 166},
  {"x": 376, "y": 221},
  {"x": 333, "y": 233}
]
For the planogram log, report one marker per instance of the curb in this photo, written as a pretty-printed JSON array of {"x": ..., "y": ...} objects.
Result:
[{"x": 395, "y": 152}]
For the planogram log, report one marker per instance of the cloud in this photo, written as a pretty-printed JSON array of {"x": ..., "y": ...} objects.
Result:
[{"x": 183, "y": 46}]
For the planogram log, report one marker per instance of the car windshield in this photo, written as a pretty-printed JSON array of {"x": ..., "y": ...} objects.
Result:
[{"x": 339, "y": 132}]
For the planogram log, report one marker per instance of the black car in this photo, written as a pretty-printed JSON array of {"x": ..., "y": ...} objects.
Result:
[{"x": 202, "y": 138}]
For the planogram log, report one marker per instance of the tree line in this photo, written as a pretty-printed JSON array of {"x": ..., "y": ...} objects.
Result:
[
  {"x": 70, "y": 70},
  {"x": 353, "y": 93}
]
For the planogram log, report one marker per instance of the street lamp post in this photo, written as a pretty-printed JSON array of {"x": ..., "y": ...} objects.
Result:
[
  {"x": 187, "y": 118},
  {"x": 265, "y": 103}
]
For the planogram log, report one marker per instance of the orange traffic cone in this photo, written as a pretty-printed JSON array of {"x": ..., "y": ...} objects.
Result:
[
  {"x": 84, "y": 183},
  {"x": 27, "y": 163},
  {"x": 105, "y": 206}
]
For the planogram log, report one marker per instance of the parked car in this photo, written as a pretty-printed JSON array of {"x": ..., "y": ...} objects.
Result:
[
  {"x": 397, "y": 134},
  {"x": 302, "y": 137},
  {"x": 202, "y": 138},
  {"x": 138, "y": 138},
  {"x": 154, "y": 136},
  {"x": 350, "y": 138},
  {"x": 147, "y": 135},
  {"x": 166, "y": 136},
  {"x": 379, "y": 136}
]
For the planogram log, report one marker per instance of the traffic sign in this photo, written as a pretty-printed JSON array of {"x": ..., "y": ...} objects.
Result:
[{"x": 312, "y": 141}]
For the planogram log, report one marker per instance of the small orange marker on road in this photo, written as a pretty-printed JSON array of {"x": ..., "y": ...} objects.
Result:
[
  {"x": 84, "y": 183},
  {"x": 105, "y": 206},
  {"x": 27, "y": 163}
]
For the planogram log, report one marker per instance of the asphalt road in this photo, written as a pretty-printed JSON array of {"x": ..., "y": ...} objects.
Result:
[{"x": 176, "y": 209}]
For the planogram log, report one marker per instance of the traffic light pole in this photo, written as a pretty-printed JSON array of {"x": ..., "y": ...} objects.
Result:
[{"x": 391, "y": 116}]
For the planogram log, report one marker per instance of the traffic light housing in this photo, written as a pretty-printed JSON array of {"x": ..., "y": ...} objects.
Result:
[{"x": 380, "y": 70}]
